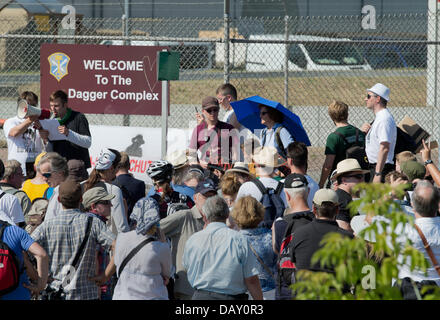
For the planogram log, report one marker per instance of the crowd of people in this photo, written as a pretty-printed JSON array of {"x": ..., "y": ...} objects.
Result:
[{"x": 222, "y": 221}]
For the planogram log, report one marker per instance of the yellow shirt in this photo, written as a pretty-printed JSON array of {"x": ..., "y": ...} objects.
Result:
[{"x": 34, "y": 191}]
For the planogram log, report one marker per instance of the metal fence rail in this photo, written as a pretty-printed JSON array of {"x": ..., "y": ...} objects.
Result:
[{"x": 304, "y": 63}]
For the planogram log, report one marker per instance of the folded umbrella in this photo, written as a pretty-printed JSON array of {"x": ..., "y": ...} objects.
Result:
[{"x": 248, "y": 114}]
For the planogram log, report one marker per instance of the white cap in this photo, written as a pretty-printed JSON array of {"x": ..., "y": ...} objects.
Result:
[{"x": 381, "y": 90}]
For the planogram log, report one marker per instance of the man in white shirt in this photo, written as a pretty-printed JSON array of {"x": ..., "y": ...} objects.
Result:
[
  {"x": 23, "y": 137},
  {"x": 381, "y": 135}
]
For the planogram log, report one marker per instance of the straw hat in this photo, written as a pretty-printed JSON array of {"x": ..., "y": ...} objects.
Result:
[
  {"x": 177, "y": 158},
  {"x": 348, "y": 165},
  {"x": 240, "y": 167},
  {"x": 267, "y": 156}
]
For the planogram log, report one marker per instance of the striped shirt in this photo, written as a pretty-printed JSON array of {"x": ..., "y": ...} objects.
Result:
[{"x": 61, "y": 237}]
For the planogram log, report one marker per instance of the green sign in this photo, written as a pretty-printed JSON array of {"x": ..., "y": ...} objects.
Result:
[{"x": 168, "y": 65}]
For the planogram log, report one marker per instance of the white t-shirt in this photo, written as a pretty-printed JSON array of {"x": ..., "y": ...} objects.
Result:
[
  {"x": 250, "y": 189},
  {"x": 384, "y": 129},
  {"x": 228, "y": 115},
  {"x": 25, "y": 147},
  {"x": 10, "y": 205}
]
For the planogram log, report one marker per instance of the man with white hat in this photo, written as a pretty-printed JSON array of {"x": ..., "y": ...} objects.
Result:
[
  {"x": 381, "y": 135},
  {"x": 348, "y": 174}
]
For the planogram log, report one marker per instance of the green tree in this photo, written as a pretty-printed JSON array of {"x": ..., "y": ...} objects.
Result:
[{"x": 364, "y": 270}]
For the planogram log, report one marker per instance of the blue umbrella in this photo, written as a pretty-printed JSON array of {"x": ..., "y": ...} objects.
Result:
[{"x": 248, "y": 114}]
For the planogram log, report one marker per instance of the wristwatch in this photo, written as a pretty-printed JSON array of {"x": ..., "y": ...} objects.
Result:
[
  {"x": 377, "y": 173},
  {"x": 428, "y": 162}
]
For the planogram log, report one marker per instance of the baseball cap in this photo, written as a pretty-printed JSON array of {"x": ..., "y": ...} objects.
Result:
[
  {"x": 295, "y": 180},
  {"x": 205, "y": 186},
  {"x": 209, "y": 102},
  {"x": 94, "y": 195},
  {"x": 325, "y": 195},
  {"x": 381, "y": 90},
  {"x": 413, "y": 170}
]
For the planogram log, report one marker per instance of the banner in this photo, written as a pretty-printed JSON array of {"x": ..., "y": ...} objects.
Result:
[{"x": 102, "y": 78}]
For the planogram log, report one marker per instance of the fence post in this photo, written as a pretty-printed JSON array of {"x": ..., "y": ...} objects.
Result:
[
  {"x": 286, "y": 62},
  {"x": 125, "y": 32},
  {"x": 226, "y": 39}
]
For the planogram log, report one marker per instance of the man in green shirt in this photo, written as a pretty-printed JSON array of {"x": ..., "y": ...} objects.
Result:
[{"x": 336, "y": 147}]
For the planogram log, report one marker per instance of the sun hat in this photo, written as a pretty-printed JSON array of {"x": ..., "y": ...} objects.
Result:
[
  {"x": 105, "y": 160},
  {"x": 325, "y": 195},
  {"x": 380, "y": 90},
  {"x": 94, "y": 195},
  {"x": 348, "y": 165},
  {"x": 178, "y": 159},
  {"x": 240, "y": 167},
  {"x": 267, "y": 156}
]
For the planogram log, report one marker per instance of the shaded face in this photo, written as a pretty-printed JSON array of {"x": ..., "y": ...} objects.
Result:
[
  {"x": 230, "y": 199},
  {"x": 52, "y": 178},
  {"x": 211, "y": 113},
  {"x": 264, "y": 116},
  {"x": 17, "y": 178},
  {"x": 352, "y": 179},
  {"x": 103, "y": 207},
  {"x": 58, "y": 108}
]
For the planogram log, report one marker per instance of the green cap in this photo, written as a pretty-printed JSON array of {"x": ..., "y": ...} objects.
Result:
[{"x": 413, "y": 170}]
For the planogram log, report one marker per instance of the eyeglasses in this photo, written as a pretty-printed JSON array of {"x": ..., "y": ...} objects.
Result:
[
  {"x": 212, "y": 110},
  {"x": 104, "y": 202}
]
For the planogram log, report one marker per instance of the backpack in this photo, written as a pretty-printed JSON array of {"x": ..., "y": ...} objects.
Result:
[
  {"x": 278, "y": 142},
  {"x": 356, "y": 151},
  {"x": 285, "y": 267},
  {"x": 272, "y": 202},
  {"x": 9, "y": 265},
  {"x": 404, "y": 142}
]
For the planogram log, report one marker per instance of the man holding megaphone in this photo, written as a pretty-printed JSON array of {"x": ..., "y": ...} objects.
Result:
[{"x": 24, "y": 134}]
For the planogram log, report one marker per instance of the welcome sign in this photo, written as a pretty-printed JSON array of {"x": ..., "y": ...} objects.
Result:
[{"x": 102, "y": 78}]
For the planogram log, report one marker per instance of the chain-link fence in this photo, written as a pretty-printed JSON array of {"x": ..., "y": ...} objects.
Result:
[{"x": 304, "y": 63}]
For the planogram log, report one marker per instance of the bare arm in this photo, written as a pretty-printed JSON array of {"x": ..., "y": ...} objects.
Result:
[
  {"x": 273, "y": 239},
  {"x": 381, "y": 159},
  {"x": 21, "y": 128},
  {"x": 254, "y": 287},
  {"x": 42, "y": 268},
  {"x": 431, "y": 168},
  {"x": 326, "y": 168}
]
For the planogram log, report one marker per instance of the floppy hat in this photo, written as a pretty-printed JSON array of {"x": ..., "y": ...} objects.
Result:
[
  {"x": 413, "y": 170},
  {"x": 105, "y": 160},
  {"x": 267, "y": 156},
  {"x": 94, "y": 195},
  {"x": 240, "y": 167},
  {"x": 295, "y": 180},
  {"x": 381, "y": 90},
  {"x": 177, "y": 158},
  {"x": 325, "y": 195},
  {"x": 348, "y": 165}
]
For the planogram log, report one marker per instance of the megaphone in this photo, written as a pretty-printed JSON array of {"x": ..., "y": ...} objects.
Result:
[{"x": 25, "y": 110}]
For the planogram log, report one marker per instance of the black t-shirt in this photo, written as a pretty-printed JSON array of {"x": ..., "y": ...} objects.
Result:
[
  {"x": 300, "y": 218},
  {"x": 78, "y": 123},
  {"x": 132, "y": 189},
  {"x": 344, "y": 199},
  {"x": 306, "y": 241}
]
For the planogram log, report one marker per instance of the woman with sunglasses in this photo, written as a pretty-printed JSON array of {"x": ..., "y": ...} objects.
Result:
[
  {"x": 102, "y": 175},
  {"x": 274, "y": 135}
]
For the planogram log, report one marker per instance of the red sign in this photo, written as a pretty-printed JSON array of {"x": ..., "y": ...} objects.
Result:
[{"x": 102, "y": 78}]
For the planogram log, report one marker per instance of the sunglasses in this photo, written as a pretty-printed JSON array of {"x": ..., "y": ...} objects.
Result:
[
  {"x": 357, "y": 176},
  {"x": 369, "y": 96},
  {"x": 47, "y": 175},
  {"x": 212, "y": 110}
]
